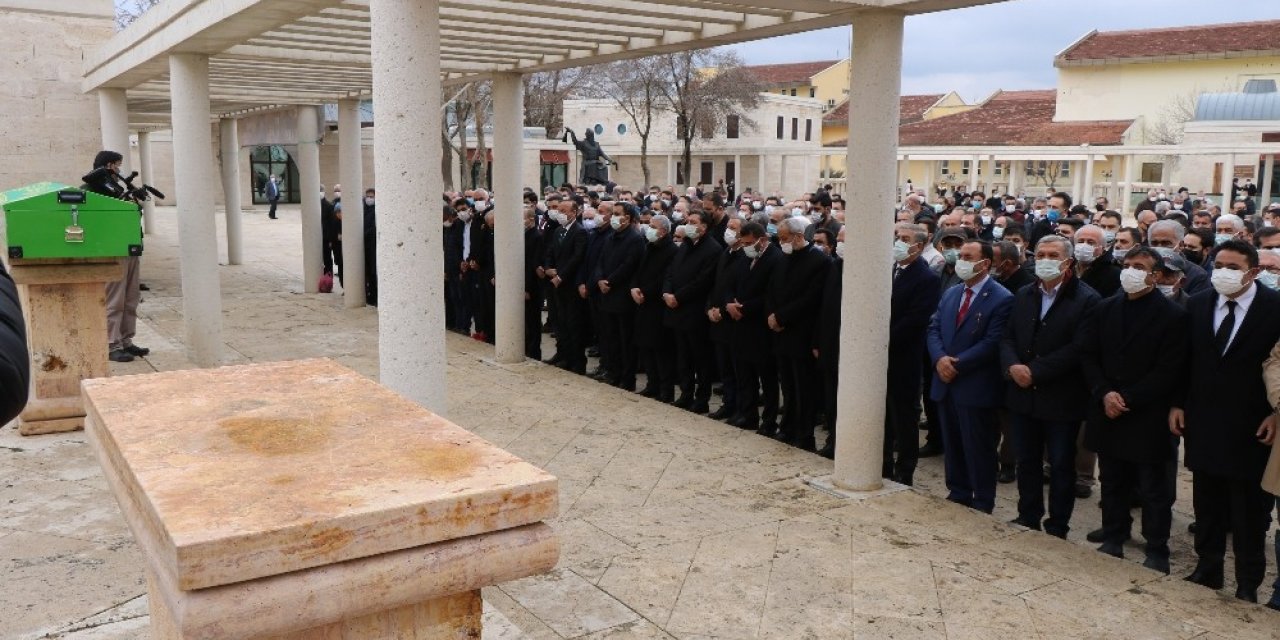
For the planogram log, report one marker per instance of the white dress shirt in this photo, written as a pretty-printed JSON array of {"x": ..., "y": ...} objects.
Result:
[{"x": 1243, "y": 301}]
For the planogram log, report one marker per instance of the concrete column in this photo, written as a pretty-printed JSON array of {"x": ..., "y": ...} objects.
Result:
[
  {"x": 197, "y": 232},
  {"x": 903, "y": 173},
  {"x": 113, "y": 108},
  {"x": 1166, "y": 174},
  {"x": 1087, "y": 197},
  {"x": 406, "y": 79},
  {"x": 973, "y": 174},
  {"x": 864, "y": 336},
  {"x": 229, "y": 138},
  {"x": 1228, "y": 173},
  {"x": 737, "y": 174},
  {"x": 1015, "y": 176},
  {"x": 990, "y": 174},
  {"x": 1268, "y": 176},
  {"x": 1077, "y": 181},
  {"x": 351, "y": 171},
  {"x": 144, "y": 165},
  {"x": 783, "y": 184},
  {"x": 671, "y": 171},
  {"x": 760, "y": 175},
  {"x": 1126, "y": 188},
  {"x": 508, "y": 218},
  {"x": 930, "y": 177},
  {"x": 308, "y": 161}
]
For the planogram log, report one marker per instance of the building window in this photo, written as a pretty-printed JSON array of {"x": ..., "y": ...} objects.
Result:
[
  {"x": 1000, "y": 168},
  {"x": 793, "y": 92},
  {"x": 781, "y": 131},
  {"x": 795, "y": 128},
  {"x": 731, "y": 127},
  {"x": 622, "y": 129},
  {"x": 1153, "y": 172},
  {"x": 599, "y": 129},
  {"x": 831, "y": 103},
  {"x": 946, "y": 167},
  {"x": 964, "y": 167},
  {"x": 808, "y": 129},
  {"x": 708, "y": 172},
  {"x": 1064, "y": 169},
  {"x": 813, "y": 92}
]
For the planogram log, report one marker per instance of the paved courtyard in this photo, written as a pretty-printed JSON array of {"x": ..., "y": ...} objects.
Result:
[{"x": 672, "y": 525}]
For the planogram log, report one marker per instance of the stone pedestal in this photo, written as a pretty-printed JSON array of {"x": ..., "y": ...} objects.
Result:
[
  {"x": 298, "y": 500},
  {"x": 64, "y": 303}
]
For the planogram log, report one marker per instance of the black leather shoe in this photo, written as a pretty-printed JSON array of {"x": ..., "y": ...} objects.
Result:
[
  {"x": 1098, "y": 535},
  {"x": 1205, "y": 577},
  {"x": 766, "y": 430},
  {"x": 700, "y": 407},
  {"x": 1248, "y": 595},
  {"x": 135, "y": 350},
  {"x": 931, "y": 449},
  {"x": 1157, "y": 563},
  {"x": 120, "y": 355},
  {"x": 721, "y": 413},
  {"x": 1006, "y": 475},
  {"x": 1274, "y": 605},
  {"x": 1083, "y": 491},
  {"x": 1023, "y": 522},
  {"x": 828, "y": 451},
  {"x": 683, "y": 402},
  {"x": 554, "y": 360},
  {"x": 1191, "y": 528},
  {"x": 648, "y": 392},
  {"x": 1113, "y": 549}
]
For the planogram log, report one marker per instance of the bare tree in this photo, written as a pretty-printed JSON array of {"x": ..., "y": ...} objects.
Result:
[
  {"x": 1175, "y": 113},
  {"x": 1046, "y": 173},
  {"x": 545, "y": 93},
  {"x": 636, "y": 88},
  {"x": 130, "y": 10},
  {"x": 702, "y": 88}
]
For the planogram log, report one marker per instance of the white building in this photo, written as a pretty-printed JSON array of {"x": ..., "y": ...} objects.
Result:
[{"x": 774, "y": 147}]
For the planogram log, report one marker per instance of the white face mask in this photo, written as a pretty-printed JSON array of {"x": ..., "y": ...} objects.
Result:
[
  {"x": 691, "y": 231},
  {"x": 1227, "y": 281},
  {"x": 730, "y": 236},
  {"x": 1046, "y": 269},
  {"x": 1134, "y": 280},
  {"x": 751, "y": 251},
  {"x": 464, "y": 216},
  {"x": 1269, "y": 280},
  {"x": 1167, "y": 290},
  {"x": 1119, "y": 254},
  {"x": 368, "y": 202},
  {"x": 590, "y": 223},
  {"x": 840, "y": 250},
  {"x": 796, "y": 212},
  {"x": 615, "y": 222},
  {"x": 787, "y": 249},
  {"x": 651, "y": 234},
  {"x": 966, "y": 270},
  {"x": 1085, "y": 253},
  {"x": 986, "y": 220},
  {"x": 997, "y": 232},
  {"x": 901, "y": 251},
  {"x": 560, "y": 218}
]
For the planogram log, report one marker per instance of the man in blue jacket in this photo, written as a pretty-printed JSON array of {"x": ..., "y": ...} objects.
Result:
[{"x": 964, "y": 340}]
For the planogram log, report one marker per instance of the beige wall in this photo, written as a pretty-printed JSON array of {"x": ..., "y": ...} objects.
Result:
[
  {"x": 1126, "y": 91},
  {"x": 50, "y": 129}
]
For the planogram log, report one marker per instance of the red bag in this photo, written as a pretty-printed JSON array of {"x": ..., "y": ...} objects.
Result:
[{"x": 326, "y": 283}]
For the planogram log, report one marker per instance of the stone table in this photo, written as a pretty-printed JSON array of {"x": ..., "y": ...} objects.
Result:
[
  {"x": 298, "y": 500},
  {"x": 64, "y": 303}
]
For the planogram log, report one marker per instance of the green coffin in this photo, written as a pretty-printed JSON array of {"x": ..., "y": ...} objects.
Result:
[{"x": 51, "y": 220}]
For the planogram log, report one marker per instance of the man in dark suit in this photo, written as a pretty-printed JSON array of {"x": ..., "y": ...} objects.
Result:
[
  {"x": 563, "y": 263},
  {"x": 1094, "y": 263},
  {"x": 1039, "y": 356},
  {"x": 1166, "y": 237},
  {"x": 794, "y": 297},
  {"x": 685, "y": 292},
  {"x": 1008, "y": 269},
  {"x": 618, "y": 265},
  {"x": 916, "y": 292},
  {"x": 757, "y": 369},
  {"x": 653, "y": 340},
  {"x": 596, "y": 334},
  {"x": 456, "y": 307},
  {"x": 1133, "y": 352},
  {"x": 964, "y": 343},
  {"x": 826, "y": 344},
  {"x": 532, "y": 285},
  {"x": 1226, "y": 418},
  {"x": 729, "y": 269}
]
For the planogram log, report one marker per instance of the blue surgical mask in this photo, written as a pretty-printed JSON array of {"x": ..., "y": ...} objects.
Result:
[
  {"x": 997, "y": 232},
  {"x": 951, "y": 255},
  {"x": 1222, "y": 237},
  {"x": 1109, "y": 236},
  {"x": 772, "y": 230},
  {"x": 1053, "y": 215},
  {"x": 1269, "y": 280}
]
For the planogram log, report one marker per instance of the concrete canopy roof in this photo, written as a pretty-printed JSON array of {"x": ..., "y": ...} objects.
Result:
[{"x": 266, "y": 53}]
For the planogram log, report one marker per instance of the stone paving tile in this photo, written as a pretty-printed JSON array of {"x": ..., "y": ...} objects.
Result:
[{"x": 568, "y": 604}]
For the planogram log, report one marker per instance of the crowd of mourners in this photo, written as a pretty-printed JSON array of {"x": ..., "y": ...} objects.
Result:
[{"x": 1033, "y": 339}]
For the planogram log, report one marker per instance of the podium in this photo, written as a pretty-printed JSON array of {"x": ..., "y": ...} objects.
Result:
[{"x": 300, "y": 500}]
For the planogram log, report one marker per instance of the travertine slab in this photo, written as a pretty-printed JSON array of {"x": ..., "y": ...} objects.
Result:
[
  {"x": 64, "y": 305},
  {"x": 245, "y": 472}
]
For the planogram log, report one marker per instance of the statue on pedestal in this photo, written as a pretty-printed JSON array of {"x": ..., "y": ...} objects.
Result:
[{"x": 595, "y": 162}]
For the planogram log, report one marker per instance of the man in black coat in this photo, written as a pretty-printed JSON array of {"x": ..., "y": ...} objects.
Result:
[
  {"x": 1133, "y": 352},
  {"x": 15, "y": 365},
  {"x": 1226, "y": 418},
  {"x": 685, "y": 293},
  {"x": 1008, "y": 270},
  {"x": 826, "y": 344},
  {"x": 618, "y": 264},
  {"x": 457, "y": 313},
  {"x": 729, "y": 270},
  {"x": 1039, "y": 355},
  {"x": 533, "y": 251},
  {"x": 1166, "y": 237},
  {"x": 756, "y": 367},
  {"x": 564, "y": 261},
  {"x": 653, "y": 340},
  {"x": 371, "y": 256},
  {"x": 1096, "y": 266},
  {"x": 916, "y": 292},
  {"x": 599, "y": 232},
  {"x": 795, "y": 295}
]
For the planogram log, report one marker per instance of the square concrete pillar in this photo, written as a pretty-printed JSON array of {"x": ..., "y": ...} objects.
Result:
[{"x": 300, "y": 500}]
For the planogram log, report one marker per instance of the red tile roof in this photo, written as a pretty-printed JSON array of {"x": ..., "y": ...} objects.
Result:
[
  {"x": 1215, "y": 39},
  {"x": 777, "y": 75},
  {"x": 912, "y": 109},
  {"x": 1010, "y": 118}
]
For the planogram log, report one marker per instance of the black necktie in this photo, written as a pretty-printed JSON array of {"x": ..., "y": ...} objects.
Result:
[{"x": 1223, "y": 337}]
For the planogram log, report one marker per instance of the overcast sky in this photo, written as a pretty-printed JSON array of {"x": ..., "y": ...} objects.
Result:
[{"x": 1009, "y": 45}]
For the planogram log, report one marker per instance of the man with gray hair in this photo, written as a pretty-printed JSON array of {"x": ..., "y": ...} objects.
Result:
[
  {"x": 1047, "y": 398},
  {"x": 1166, "y": 237},
  {"x": 795, "y": 294},
  {"x": 1094, "y": 263}
]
